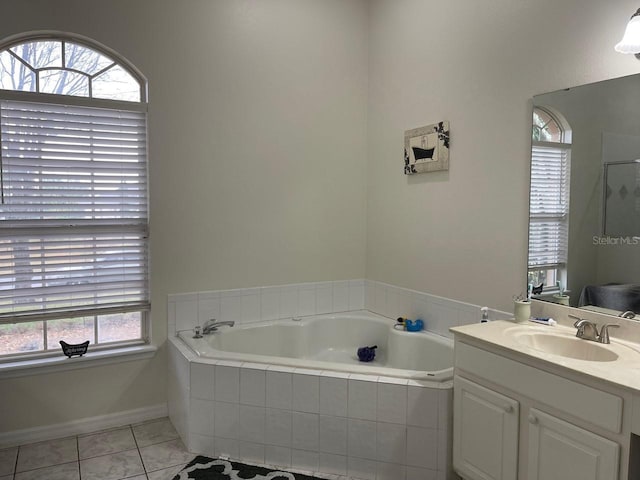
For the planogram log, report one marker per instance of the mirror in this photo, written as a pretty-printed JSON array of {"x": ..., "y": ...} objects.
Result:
[{"x": 584, "y": 225}]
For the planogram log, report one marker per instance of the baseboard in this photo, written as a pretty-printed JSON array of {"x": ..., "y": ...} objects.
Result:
[{"x": 84, "y": 425}]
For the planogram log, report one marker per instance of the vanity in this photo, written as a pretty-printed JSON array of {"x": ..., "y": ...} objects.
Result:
[{"x": 536, "y": 403}]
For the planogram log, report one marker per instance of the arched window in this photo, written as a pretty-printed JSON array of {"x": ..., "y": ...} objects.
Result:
[
  {"x": 549, "y": 199},
  {"x": 73, "y": 196},
  {"x": 67, "y": 67}
]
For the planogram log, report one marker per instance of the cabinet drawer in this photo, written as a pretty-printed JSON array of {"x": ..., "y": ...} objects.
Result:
[{"x": 589, "y": 404}]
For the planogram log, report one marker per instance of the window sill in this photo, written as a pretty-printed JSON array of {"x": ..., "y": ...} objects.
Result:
[{"x": 22, "y": 368}]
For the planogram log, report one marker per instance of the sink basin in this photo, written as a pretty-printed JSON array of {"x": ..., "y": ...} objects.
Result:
[{"x": 565, "y": 346}]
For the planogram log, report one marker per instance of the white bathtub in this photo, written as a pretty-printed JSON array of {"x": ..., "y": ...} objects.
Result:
[{"x": 330, "y": 342}]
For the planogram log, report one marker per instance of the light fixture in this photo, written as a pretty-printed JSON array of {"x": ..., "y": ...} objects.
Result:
[{"x": 630, "y": 42}]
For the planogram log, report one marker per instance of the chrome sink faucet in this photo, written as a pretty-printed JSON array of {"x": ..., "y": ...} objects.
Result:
[
  {"x": 589, "y": 331},
  {"x": 212, "y": 325},
  {"x": 586, "y": 329},
  {"x": 628, "y": 314}
]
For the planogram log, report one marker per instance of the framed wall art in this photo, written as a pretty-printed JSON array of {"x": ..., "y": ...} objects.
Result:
[{"x": 426, "y": 149}]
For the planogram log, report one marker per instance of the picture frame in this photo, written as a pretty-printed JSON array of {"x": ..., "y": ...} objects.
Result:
[{"x": 426, "y": 149}]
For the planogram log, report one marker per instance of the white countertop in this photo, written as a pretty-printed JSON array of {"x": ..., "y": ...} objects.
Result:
[{"x": 503, "y": 334}]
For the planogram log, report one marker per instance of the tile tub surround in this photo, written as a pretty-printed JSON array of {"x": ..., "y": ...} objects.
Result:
[
  {"x": 438, "y": 313},
  {"x": 147, "y": 451},
  {"x": 334, "y": 423},
  {"x": 248, "y": 305}
]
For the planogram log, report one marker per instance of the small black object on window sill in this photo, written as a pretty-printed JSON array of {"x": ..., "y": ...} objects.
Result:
[{"x": 77, "y": 349}]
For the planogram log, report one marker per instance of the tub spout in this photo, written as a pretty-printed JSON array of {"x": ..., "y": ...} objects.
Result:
[{"x": 212, "y": 325}]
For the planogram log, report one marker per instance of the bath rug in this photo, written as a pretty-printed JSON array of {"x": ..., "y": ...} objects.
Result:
[{"x": 205, "y": 468}]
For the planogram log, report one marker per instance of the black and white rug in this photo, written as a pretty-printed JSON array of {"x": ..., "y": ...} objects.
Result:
[{"x": 205, "y": 468}]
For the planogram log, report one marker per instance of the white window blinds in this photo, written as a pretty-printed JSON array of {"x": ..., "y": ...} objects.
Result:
[
  {"x": 549, "y": 205},
  {"x": 73, "y": 211}
]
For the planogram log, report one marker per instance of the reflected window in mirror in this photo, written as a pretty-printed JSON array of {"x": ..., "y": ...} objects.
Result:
[{"x": 549, "y": 200}]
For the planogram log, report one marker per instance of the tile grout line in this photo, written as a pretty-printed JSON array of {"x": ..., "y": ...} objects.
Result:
[
  {"x": 78, "y": 452},
  {"x": 144, "y": 467},
  {"x": 15, "y": 465}
]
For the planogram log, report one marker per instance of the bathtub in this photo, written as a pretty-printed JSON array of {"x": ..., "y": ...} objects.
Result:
[
  {"x": 330, "y": 342},
  {"x": 292, "y": 394}
]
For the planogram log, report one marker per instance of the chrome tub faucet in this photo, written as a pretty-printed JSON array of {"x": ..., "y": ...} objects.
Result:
[{"x": 212, "y": 325}]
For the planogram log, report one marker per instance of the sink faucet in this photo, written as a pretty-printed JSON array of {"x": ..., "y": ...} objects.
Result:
[
  {"x": 212, "y": 325},
  {"x": 627, "y": 314},
  {"x": 586, "y": 329},
  {"x": 589, "y": 330}
]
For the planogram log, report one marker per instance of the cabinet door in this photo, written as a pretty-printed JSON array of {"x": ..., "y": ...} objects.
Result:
[
  {"x": 485, "y": 432},
  {"x": 559, "y": 450}
]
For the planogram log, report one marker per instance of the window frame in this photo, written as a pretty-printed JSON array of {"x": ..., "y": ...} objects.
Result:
[
  {"x": 562, "y": 145},
  {"x": 128, "y": 347}
]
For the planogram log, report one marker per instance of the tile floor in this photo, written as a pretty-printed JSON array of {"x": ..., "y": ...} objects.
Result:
[{"x": 146, "y": 451}]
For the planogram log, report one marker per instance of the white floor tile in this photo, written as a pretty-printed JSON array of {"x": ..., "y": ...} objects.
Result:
[
  {"x": 66, "y": 471},
  {"x": 112, "y": 467},
  {"x": 163, "y": 455},
  {"x": 47, "y": 454},
  {"x": 104, "y": 443},
  {"x": 165, "y": 473},
  {"x": 156, "y": 431},
  {"x": 8, "y": 460}
]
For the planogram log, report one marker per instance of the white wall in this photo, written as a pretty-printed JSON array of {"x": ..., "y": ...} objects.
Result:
[
  {"x": 463, "y": 234},
  {"x": 257, "y": 127}
]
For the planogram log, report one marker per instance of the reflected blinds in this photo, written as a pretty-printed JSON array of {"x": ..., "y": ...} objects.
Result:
[
  {"x": 549, "y": 205},
  {"x": 73, "y": 211}
]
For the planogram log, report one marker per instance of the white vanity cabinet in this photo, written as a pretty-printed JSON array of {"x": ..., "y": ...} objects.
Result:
[
  {"x": 485, "y": 424},
  {"x": 560, "y": 450},
  {"x": 516, "y": 421}
]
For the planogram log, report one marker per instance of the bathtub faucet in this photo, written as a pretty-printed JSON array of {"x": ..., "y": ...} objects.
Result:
[{"x": 212, "y": 325}]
